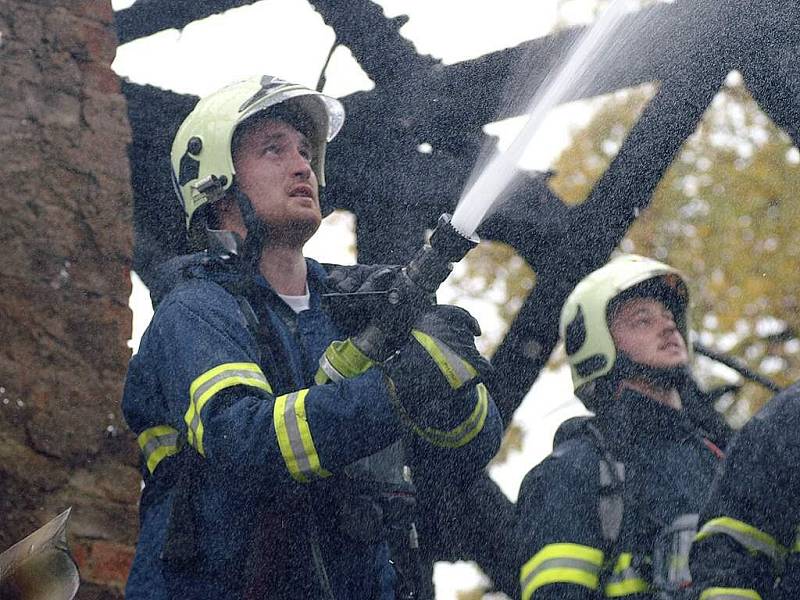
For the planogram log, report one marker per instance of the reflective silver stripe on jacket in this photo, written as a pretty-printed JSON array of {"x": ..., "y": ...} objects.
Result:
[
  {"x": 295, "y": 440},
  {"x": 329, "y": 370},
  {"x": 729, "y": 594},
  {"x": 745, "y": 534},
  {"x": 207, "y": 385},
  {"x": 156, "y": 444}
]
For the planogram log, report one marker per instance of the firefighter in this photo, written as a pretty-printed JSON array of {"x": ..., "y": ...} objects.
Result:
[
  {"x": 272, "y": 454},
  {"x": 748, "y": 547},
  {"x": 611, "y": 512}
]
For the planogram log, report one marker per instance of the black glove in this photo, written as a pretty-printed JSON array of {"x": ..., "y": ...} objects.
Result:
[
  {"x": 436, "y": 376},
  {"x": 360, "y": 278},
  {"x": 350, "y": 299},
  {"x": 458, "y": 329}
]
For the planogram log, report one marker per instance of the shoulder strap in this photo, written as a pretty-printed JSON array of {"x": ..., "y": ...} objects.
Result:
[
  {"x": 611, "y": 502},
  {"x": 259, "y": 326},
  {"x": 611, "y": 474},
  {"x": 258, "y": 323}
]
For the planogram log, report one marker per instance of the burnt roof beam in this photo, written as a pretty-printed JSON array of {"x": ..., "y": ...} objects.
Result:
[
  {"x": 146, "y": 17},
  {"x": 387, "y": 57}
]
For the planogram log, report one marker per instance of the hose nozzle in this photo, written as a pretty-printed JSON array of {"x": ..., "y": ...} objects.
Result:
[
  {"x": 433, "y": 263},
  {"x": 413, "y": 289}
]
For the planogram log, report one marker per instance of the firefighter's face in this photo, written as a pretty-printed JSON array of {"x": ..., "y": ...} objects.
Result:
[
  {"x": 273, "y": 168},
  {"x": 645, "y": 330}
]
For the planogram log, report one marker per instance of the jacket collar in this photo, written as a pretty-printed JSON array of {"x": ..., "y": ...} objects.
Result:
[{"x": 634, "y": 418}]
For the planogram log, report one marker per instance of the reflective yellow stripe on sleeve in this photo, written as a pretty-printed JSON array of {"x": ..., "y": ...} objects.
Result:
[
  {"x": 624, "y": 579},
  {"x": 212, "y": 382},
  {"x": 466, "y": 431},
  {"x": 157, "y": 443},
  {"x": 455, "y": 369},
  {"x": 729, "y": 594},
  {"x": 752, "y": 538},
  {"x": 561, "y": 563},
  {"x": 294, "y": 437}
]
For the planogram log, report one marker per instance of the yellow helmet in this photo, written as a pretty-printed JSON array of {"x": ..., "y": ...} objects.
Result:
[
  {"x": 201, "y": 160},
  {"x": 584, "y": 318}
]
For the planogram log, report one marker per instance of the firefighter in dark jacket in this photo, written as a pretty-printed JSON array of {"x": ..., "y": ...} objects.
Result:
[
  {"x": 272, "y": 447},
  {"x": 612, "y": 511},
  {"x": 748, "y": 547}
]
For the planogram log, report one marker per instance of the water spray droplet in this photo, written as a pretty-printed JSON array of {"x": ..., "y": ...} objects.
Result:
[{"x": 488, "y": 185}]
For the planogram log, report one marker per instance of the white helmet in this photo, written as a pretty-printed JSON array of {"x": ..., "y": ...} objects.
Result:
[
  {"x": 202, "y": 164},
  {"x": 584, "y": 317}
]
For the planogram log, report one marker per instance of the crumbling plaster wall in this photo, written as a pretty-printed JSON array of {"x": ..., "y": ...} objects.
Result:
[{"x": 65, "y": 247}]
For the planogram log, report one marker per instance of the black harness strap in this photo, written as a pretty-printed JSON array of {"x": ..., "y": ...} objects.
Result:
[{"x": 259, "y": 324}]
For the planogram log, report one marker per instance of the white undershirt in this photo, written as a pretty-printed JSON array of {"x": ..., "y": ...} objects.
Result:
[{"x": 298, "y": 303}]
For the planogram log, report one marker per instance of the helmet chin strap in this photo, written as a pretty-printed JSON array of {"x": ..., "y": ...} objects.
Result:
[
  {"x": 663, "y": 377},
  {"x": 256, "y": 230}
]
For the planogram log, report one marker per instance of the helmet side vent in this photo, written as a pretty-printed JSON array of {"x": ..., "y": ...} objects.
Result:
[
  {"x": 189, "y": 169},
  {"x": 575, "y": 333}
]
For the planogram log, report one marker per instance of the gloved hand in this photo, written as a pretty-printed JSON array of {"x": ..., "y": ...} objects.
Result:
[
  {"x": 457, "y": 328},
  {"x": 436, "y": 377},
  {"x": 351, "y": 313},
  {"x": 347, "y": 279}
]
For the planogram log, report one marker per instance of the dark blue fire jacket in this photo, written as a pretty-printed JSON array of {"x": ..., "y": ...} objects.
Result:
[
  {"x": 245, "y": 491},
  {"x": 564, "y": 553},
  {"x": 747, "y": 548}
]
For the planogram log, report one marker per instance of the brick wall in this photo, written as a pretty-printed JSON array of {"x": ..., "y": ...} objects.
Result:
[{"x": 65, "y": 246}]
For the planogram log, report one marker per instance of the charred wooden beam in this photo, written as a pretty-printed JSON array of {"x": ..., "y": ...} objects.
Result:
[
  {"x": 770, "y": 68},
  {"x": 147, "y": 17},
  {"x": 386, "y": 56},
  {"x": 154, "y": 116},
  {"x": 775, "y": 85}
]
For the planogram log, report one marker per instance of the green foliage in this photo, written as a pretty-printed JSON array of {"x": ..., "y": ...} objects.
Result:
[{"x": 494, "y": 267}]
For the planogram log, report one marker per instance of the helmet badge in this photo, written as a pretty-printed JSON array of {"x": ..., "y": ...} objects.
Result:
[{"x": 268, "y": 82}]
